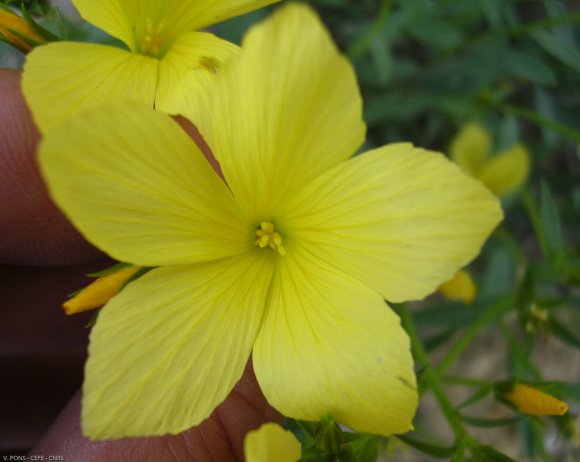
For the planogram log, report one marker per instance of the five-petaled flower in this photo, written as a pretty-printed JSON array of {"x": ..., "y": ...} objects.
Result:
[
  {"x": 166, "y": 55},
  {"x": 289, "y": 260}
]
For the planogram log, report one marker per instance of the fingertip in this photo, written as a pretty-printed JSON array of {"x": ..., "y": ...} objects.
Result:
[{"x": 32, "y": 230}]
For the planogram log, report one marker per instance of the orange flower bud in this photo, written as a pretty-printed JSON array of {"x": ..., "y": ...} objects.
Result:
[
  {"x": 99, "y": 292},
  {"x": 17, "y": 31},
  {"x": 532, "y": 401}
]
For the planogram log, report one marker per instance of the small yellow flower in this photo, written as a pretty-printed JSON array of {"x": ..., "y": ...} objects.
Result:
[
  {"x": 17, "y": 31},
  {"x": 502, "y": 173},
  {"x": 532, "y": 401},
  {"x": 99, "y": 292},
  {"x": 290, "y": 262},
  {"x": 461, "y": 287},
  {"x": 167, "y": 55},
  {"x": 271, "y": 443}
]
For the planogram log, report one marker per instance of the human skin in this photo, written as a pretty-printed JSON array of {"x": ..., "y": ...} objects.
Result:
[{"x": 42, "y": 351}]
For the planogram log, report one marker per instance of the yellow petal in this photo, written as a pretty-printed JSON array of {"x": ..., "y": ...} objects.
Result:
[
  {"x": 532, "y": 401},
  {"x": 64, "y": 78},
  {"x": 400, "y": 219},
  {"x": 139, "y": 188},
  {"x": 284, "y": 110},
  {"x": 330, "y": 345},
  {"x": 470, "y": 147},
  {"x": 271, "y": 443},
  {"x": 100, "y": 291},
  {"x": 461, "y": 287},
  {"x": 113, "y": 16},
  {"x": 170, "y": 347},
  {"x": 188, "y": 67},
  {"x": 507, "y": 171},
  {"x": 132, "y": 21}
]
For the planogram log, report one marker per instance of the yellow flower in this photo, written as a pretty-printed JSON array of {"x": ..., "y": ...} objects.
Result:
[
  {"x": 460, "y": 287},
  {"x": 283, "y": 119},
  {"x": 100, "y": 291},
  {"x": 271, "y": 443},
  {"x": 165, "y": 54},
  {"x": 502, "y": 173},
  {"x": 532, "y": 401},
  {"x": 17, "y": 31}
]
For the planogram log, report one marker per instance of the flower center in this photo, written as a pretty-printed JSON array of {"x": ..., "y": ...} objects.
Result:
[
  {"x": 267, "y": 237},
  {"x": 152, "y": 39}
]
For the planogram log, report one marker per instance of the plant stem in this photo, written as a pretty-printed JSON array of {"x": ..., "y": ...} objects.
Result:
[
  {"x": 534, "y": 215},
  {"x": 494, "y": 311},
  {"x": 430, "y": 376}
]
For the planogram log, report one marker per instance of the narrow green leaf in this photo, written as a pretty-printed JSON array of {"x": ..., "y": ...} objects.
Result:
[
  {"x": 439, "y": 452},
  {"x": 483, "y": 453},
  {"x": 560, "y": 49},
  {"x": 541, "y": 121},
  {"x": 551, "y": 222},
  {"x": 476, "y": 397},
  {"x": 525, "y": 65},
  {"x": 563, "y": 333}
]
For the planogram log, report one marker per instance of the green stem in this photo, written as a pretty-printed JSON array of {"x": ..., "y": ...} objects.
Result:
[
  {"x": 465, "y": 381},
  {"x": 534, "y": 215},
  {"x": 539, "y": 120},
  {"x": 491, "y": 313},
  {"x": 360, "y": 46},
  {"x": 431, "y": 377}
]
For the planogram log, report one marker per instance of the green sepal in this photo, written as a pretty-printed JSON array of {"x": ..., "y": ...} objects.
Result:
[
  {"x": 93, "y": 320},
  {"x": 45, "y": 34},
  {"x": 110, "y": 270}
]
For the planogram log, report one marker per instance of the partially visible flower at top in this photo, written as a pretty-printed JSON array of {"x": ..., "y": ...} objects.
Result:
[
  {"x": 271, "y": 443},
  {"x": 166, "y": 55},
  {"x": 288, "y": 261},
  {"x": 531, "y": 401},
  {"x": 502, "y": 173},
  {"x": 17, "y": 31},
  {"x": 460, "y": 287}
]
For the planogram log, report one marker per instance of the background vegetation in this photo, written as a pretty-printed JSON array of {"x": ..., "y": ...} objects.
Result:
[{"x": 426, "y": 68}]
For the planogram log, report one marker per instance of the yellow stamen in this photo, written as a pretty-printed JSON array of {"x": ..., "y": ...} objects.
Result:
[
  {"x": 532, "y": 401},
  {"x": 152, "y": 39},
  {"x": 99, "y": 292},
  {"x": 12, "y": 27},
  {"x": 267, "y": 237}
]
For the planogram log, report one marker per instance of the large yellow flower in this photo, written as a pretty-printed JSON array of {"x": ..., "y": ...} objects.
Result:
[
  {"x": 283, "y": 120},
  {"x": 165, "y": 55}
]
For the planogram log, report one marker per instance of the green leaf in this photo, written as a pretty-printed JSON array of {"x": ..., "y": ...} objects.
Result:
[
  {"x": 493, "y": 11},
  {"x": 563, "y": 333},
  {"x": 483, "y": 453},
  {"x": 525, "y": 65},
  {"x": 560, "y": 49},
  {"x": 476, "y": 397},
  {"x": 439, "y": 452},
  {"x": 551, "y": 222}
]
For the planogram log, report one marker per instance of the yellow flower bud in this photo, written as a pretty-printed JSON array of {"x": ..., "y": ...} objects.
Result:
[
  {"x": 99, "y": 292},
  {"x": 15, "y": 29},
  {"x": 532, "y": 401},
  {"x": 460, "y": 287}
]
